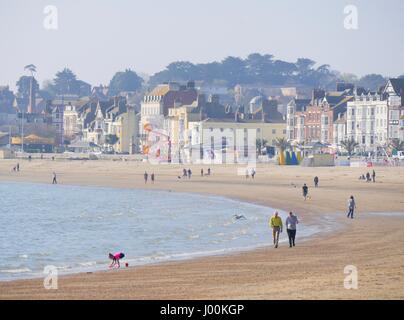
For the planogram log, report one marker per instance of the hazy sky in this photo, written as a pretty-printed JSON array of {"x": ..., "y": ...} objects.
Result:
[{"x": 96, "y": 38}]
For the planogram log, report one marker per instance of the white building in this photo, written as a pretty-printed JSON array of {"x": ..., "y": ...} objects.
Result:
[
  {"x": 295, "y": 119},
  {"x": 340, "y": 129},
  {"x": 394, "y": 93},
  {"x": 367, "y": 121}
]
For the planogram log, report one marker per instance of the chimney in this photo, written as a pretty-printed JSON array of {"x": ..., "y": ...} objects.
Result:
[{"x": 201, "y": 99}]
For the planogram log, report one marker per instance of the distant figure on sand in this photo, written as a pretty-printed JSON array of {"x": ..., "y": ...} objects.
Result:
[
  {"x": 276, "y": 224},
  {"x": 184, "y": 172},
  {"x": 351, "y": 207},
  {"x": 115, "y": 259},
  {"x": 189, "y": 173},
  {"x": 315, "y": 181},
  {"x": 208, "y": 171},
  {"x": 201, "y": 172},
  {"x": 146, "y": 177},
  {"x": 152, "y": 178},
  {"x": 253, "y": 173},
  {"x": 305, "y": 191},
  {"x": 54, "y": 181},
  {"x": 374, "y": 176},
  {"x": 368, "y": 177},
  {"x": 291, "y": 222},
  {"x": 18, "y": 167}
]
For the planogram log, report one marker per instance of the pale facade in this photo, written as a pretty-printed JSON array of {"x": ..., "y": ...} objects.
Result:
[
  {"x": 367, "y": 121},
  {"x": 70, "y": 121},
  {"x": 216, "y": 136},
  {"x": 126, "y": 128},
  {"x": 394, "y": 90}
]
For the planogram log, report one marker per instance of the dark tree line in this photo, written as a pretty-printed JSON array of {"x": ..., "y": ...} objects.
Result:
[{"x": 255, "y": 69}]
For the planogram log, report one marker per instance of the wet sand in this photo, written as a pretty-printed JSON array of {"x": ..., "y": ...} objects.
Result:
[{"x": 312, "y": 270}]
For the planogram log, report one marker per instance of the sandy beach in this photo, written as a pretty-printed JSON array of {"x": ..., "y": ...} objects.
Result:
[{"x": 314, "y": 269}]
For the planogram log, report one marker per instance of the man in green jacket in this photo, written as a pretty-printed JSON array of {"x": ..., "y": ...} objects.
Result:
[{"x": 276, "y": 224}]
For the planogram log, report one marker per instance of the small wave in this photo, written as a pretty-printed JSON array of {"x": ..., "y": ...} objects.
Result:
[
  {"x": 117, "y": 214},
  {"x": 388, "y": 214},
  {"x": 88, "y": 264},
  {"x": 23, "y": 256},
  {"x": 21, "y": 270}
]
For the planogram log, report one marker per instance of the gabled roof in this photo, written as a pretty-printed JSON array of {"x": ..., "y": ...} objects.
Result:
[
  {"x": 299, "y": 104},
  {"x": 160, "y": 90},
  {"x": 398, "y": 85}
]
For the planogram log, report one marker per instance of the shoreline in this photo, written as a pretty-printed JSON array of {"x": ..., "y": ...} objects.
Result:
[
  {"x": 312, "y": 270},
  {"x": 176, "y": 257}
]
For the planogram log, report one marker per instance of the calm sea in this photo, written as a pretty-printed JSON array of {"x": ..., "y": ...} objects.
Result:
[{"x": 75, "y": 227}]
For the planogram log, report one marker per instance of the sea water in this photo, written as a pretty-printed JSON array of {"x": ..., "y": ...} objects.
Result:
[{"x": 75, "y": 227}]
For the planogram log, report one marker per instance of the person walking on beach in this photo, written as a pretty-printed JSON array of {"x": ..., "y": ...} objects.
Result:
[
  {"x": 374, "y": 176},
  {"x": 201, "y": 172},
  {"x": 291, "y": 222},
  {"x": 253, "y": 173},
  {"x": 152, "y": 178},
  {"x": 184, "y": 172},
  {"x": 367, "y": 177},
  {"x": 305, "y": 189},
  {"x": 351, "y": 207},
  {"x": 189, "y": 173},
  {"x": 115, "y": 259},
  {"x": 146, "y": 177},
  {"x": 316, "y": 182},
  {"x": 208, "y": 171},
  {"x": 54, "y": 181},
  {"x": 276, "y": 224}
]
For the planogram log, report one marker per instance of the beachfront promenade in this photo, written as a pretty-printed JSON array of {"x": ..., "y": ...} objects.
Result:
[{"x": 312, "y": 270}]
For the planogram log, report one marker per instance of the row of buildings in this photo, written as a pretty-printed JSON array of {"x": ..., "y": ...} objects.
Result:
[
  {"x": 372, "y": 119},
  {"x": 176, "y": 121}
]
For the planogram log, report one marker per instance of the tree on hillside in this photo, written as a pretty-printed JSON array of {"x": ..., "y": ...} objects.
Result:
[
  {"x": 66, "y": 83},
  {"x": 348, "y": 78},
  {"x": 233, "y": 69},
  {"x": 256, "y": 69},
  {"x": 349, "y": 145},
  {"x": 372, "y": 81},
  {"x": 23, "y": 85},
  {"x": 126, "y": 80}
]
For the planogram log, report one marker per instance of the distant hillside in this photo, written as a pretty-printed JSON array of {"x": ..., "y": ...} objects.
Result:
[{"x": 258, "y": 69}]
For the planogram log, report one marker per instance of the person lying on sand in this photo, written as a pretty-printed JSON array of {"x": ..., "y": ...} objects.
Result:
[{"x": 115, "y": 259}]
